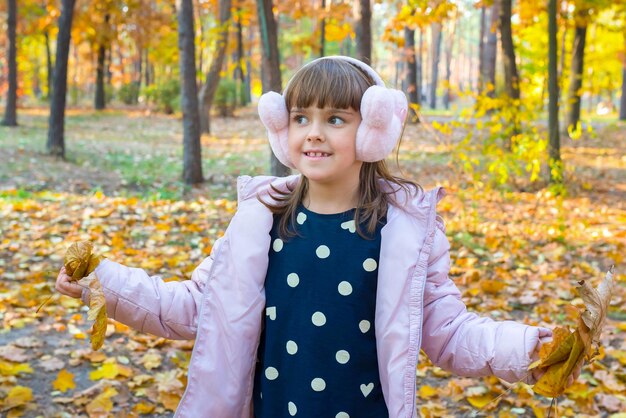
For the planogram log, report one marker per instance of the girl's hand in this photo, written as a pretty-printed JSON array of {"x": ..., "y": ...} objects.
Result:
[
  {"x": 65, "y": 286},
  {"x": 545, "y": 336}
]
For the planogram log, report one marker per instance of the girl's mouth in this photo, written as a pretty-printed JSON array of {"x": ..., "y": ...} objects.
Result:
[{"x": 312, "y": 154}]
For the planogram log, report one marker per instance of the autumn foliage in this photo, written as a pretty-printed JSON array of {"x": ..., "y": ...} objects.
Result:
[
  {"x": 569, "y": 350},
  {"x": 80, "y": 263}
]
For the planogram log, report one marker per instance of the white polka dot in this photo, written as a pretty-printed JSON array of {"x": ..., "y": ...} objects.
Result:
[
  {"x": 342, "y": 356},
  {"x": 292, "y": 409},
  {"x": 318, "y": 384},
  {"x": 292, "y": 347},
  {"x": 318, "y": 319},
  {"x": 271, "y": 373},
  {"x": 364, "y": 326},
  {"x": 342, "y": 415},
  {"x": 278, "y": 244},
  {"x": 370, "y": 264},
  {"x": 322, "y": 251},
  {"x": 301, "y": 218},
  {"x": 293, "y": 279},
  {"x": 345, "y": 288}
]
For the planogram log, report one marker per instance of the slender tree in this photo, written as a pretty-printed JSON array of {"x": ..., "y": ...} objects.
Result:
[
  {"x": 56, "y": 125},
  {"x": 449, "y": 48},
  {"x": 363, "y": 30},
  {"x": 270, "y": 65},
  {"x": 511, "y": 76},
  {"x": 50, "y": 71},
  {"x": 192, "y": 150},
  {"x": 490, "y": 50},
  {"x": 207, "y": 91},
  {"x": 323, "y": 30},
  {"x": 10, "y": 111},
  {"x": 622, "y": 108},
  {"x": 434, "y": 79},
  {"x": 99, "y": 99},
  {"x": 576, "y": 76},
  {"x": 240, "y": 64},
  {"x": 554, "y": 144},
  {"x": 411, "y": 73}
]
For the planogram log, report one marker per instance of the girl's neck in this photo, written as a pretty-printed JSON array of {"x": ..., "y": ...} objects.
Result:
[{"x": 328, "y": 200}]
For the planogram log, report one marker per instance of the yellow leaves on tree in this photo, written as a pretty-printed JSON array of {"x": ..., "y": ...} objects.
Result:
[
  {"x": 80, "y": 263},
  {"x": 568, "y": 350}
]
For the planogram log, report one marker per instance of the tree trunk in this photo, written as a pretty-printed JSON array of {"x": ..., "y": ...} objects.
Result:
[
  {"x": 207, "y": 91},
  {"x": 622, "y": 106},
  {"x": 363, "y": 30},
  {"x": 554, "y": 145},
  {"x": 239, "y": 73},
  {"x": 56, "y": 124},
  {"x": 449, "y": 47},
  {"x": 481, "y": 48},
  {"x": 270, "y": 69},
  {"x": 411, "y": 73},
  {"x": 192, "y": 150},
  {"x": 491, "y": 52},
  {"x": 511, "y": 76},
  {"x": 323, "y": 29},
  {"x": 436, "y": 40},
  {"x": 576, "y": 77},
  {"x": 420, "y": 68},
  {"x": 99, "y": 102},
  {"x": 10, "y": 111}
]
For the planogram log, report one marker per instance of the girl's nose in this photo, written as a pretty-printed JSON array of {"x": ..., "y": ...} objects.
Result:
[{"x": 314, "y": 133}]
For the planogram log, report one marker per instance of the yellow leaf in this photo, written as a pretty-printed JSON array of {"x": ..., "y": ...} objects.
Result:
[
  {"x": 106, "y": 371},
  {"x": 480, "y": 401},
  {"x": 77, "y": 259},
  {"x": 491, "y": 286},
  {"x": 568, "y": 350},
  {"x": 64, "y": 381},
  {"x": 13, "y": 369},
  {"x": 151, "y": 360},
  {"x": 99, "y": 329},
  {"x": 427, "y": 392},
  {"x": 97, "y": 310},
  {"x": 102, "y": 404},
  {"x": 17, "y": 396},
  {"x": 143, "y": 408},
  {"x": 169, "y": 400}
]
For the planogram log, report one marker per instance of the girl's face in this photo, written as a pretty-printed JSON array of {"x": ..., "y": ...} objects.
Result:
[{"x": 322, "y": 144}]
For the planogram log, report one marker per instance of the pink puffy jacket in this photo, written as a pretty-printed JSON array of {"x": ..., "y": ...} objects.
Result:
[{"x": 417, "y": 306}]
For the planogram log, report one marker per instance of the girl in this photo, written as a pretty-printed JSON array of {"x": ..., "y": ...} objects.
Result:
[{"x": 318, "y": 298}]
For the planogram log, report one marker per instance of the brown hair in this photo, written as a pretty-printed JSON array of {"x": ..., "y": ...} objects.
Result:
[{"x": 338, "y": 84}]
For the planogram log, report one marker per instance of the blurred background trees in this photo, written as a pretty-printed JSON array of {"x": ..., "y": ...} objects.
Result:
[{"x": 489, "y": 56}]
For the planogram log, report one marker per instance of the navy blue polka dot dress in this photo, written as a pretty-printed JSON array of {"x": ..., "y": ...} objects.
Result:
[{"x": 317, "y": 355}]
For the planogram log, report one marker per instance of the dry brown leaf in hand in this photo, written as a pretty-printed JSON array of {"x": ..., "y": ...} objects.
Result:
[
  {"x": 568, "y": 349},
  {"x": 80, "y": 261}
]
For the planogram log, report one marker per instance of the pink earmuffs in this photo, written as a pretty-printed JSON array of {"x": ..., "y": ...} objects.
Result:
[{"x": 383, "y": 112}]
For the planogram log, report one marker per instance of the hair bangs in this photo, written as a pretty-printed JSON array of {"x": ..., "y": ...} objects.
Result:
[{"x": 328, "y": 83}]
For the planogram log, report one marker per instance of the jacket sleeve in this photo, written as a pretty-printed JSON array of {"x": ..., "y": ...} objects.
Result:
[
  {"x": 464, "y": 343},
  {"x": 148, "y": 304}
]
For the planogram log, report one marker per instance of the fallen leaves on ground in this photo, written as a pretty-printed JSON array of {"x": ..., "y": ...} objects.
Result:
[{"x": 516, "y": 255}]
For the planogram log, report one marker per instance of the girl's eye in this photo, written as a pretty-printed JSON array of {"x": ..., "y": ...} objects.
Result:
[
  {"x": 335, "y": 120},
  {"x": 300, "y": 119}
]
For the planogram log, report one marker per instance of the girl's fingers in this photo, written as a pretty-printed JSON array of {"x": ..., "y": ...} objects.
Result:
[{"x": 65, "y": 286}]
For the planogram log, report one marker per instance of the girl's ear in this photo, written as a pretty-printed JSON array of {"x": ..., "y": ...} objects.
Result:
[
  {"x": 275, "y": 116},
  {"x": 383, "y": 112}
]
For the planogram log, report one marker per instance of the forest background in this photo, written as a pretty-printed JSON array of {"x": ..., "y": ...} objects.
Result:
[{"x": 127, "y": 122}]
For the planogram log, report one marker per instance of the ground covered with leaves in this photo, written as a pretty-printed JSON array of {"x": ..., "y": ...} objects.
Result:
[{"x": 517, "y": 254}]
